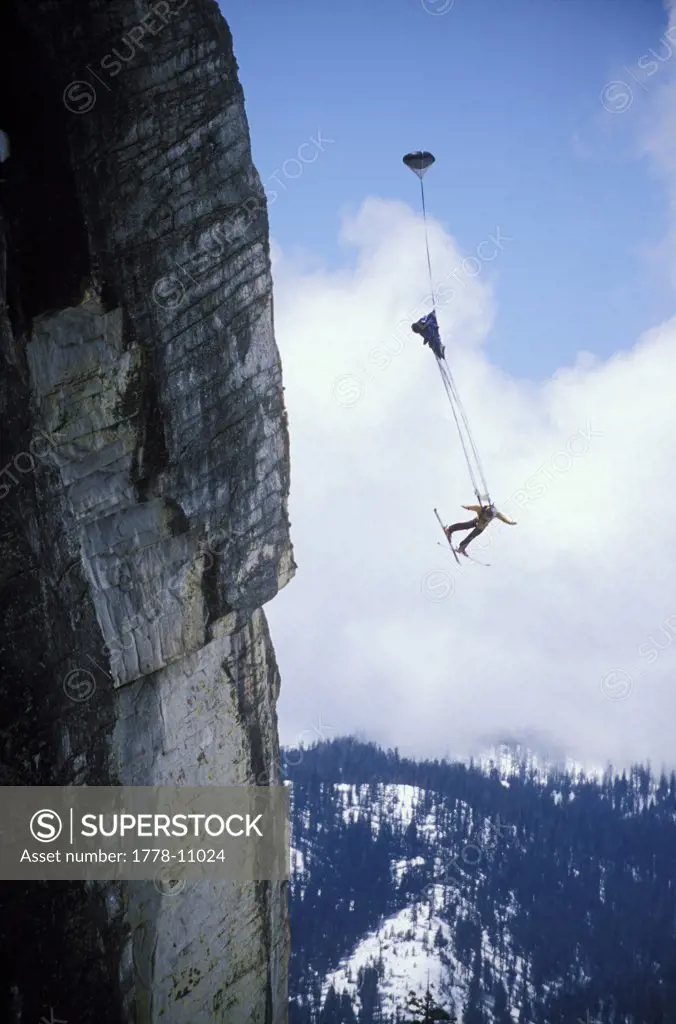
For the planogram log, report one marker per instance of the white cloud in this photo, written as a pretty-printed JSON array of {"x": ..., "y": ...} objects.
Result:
[{"x": 366, "y": 637}]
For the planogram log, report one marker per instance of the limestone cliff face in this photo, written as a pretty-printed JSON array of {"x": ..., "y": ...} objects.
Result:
[{"x": 145, "y": 472}]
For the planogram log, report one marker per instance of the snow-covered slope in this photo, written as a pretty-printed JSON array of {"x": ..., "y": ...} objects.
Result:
[
  {"x": 414, "y": 947},
  {"x": 519, "y": 891},
  {"x": 404, "y": 952}
]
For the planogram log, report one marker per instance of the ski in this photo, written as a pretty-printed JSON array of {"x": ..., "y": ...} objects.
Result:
[
  {"x": 477, "y": 560},
  {"x": 447, "y": 540}
]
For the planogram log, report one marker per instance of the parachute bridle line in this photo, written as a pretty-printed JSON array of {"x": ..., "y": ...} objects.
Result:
[
  {"x": 451, "y": 390},
  {"x": 427, "y": 245}
]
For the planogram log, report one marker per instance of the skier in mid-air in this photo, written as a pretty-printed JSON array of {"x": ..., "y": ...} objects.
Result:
[{"x": 485, "y": 514}]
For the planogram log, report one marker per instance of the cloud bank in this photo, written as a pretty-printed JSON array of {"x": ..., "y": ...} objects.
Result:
[{"x": 567, "y": 639}]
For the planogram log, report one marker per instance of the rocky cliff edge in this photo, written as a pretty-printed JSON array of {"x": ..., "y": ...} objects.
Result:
[{"x": 143, "y": 492}]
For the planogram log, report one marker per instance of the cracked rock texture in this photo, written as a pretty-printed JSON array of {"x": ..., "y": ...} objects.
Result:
[{"x": 145, "y": 473}]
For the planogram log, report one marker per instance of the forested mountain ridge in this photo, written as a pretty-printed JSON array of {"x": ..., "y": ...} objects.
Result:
[{"x": 532, "y": 896}]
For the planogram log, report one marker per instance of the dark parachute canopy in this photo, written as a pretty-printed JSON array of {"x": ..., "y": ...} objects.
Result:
[{"x": 419, "y": 162}]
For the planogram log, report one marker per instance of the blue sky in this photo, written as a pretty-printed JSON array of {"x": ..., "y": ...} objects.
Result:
[
  {"x": 505, "y": 93},
  {"x": 568, "y": 637}
]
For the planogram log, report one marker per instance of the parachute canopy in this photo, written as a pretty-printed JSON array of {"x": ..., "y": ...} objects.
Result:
[
  {"x": 428, "y": 328},
  {"x": 419, "y": 162}
]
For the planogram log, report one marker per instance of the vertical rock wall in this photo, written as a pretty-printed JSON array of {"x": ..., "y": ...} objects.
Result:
[{"x": 143, "y": 519}]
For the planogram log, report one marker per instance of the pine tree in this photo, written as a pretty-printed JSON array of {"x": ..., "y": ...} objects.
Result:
[
  {"x": 473, "y": 1010},
  {"x": 525, "y": 1013},
  {"x": 369, "y": 996},
  {"x": 473, "y": 1013},
  {"x": 347, "y": 1014},
  {"x": 330, "y": 1012},
  {"x": 501, "y": 1014},
  {"x": 424, "y": 1010}
]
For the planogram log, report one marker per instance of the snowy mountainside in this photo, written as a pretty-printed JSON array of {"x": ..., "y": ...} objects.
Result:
[
  {"x": 413, "y": 950},
  {"x": 406, "y": 952},
  {"x": 413, "y": 947},
  {"x": 540, "y": 900},
  {"x": 395, "y": 803}
]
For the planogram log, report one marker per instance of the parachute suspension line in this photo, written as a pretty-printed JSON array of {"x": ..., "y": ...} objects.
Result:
[
  {"x": 446, "y": 372},
  {"x": 452, "y": 401},
  {"x": 454, "y": 398}
]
